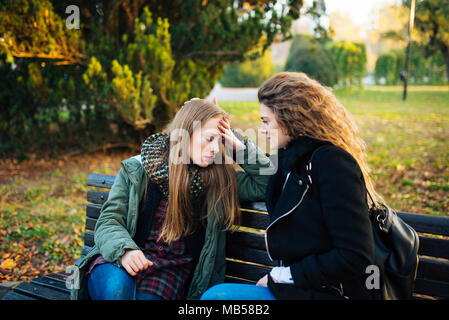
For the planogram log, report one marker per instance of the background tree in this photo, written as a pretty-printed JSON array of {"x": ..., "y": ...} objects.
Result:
[
  {"x": 128, "y": 68},
  {"x": 250, "y": 73},
  {"x": 309, "y": 56},
  {"x": 350, "y": 58},
  {"x": 423, "y": 70},
  {"x": 431, "y": 20},
  {"x": 32, "y": 29},
  {"x": 386, "y": 68},
  {"x": 199, "y": 38}
]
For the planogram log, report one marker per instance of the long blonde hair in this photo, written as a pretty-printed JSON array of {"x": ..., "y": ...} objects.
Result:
[
  {"x": 304, "y": 107},
  {"x": 220, "y": 180}
]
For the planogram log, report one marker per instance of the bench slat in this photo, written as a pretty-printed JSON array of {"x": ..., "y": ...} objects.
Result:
[
  {"x": 58, "y": 276},
  {"x": 245, "y": 271},
  {"x": 89, "y": 239},
  {"x": 229, "y": 279},
  {"x": 100, "y": 180},
  {"x": 249, "y": 254},
  {"x": 40, "y": 292},
  {"x": 432, "y": 288},
  {"x": 426, "y": 223},
  {"x": 90, "y": 223},
  {"x": 11, "y": 295},
  {"x": 97, "y": 197},
  {"x": 257, "y": 205},
  {"x": 246, "y": 239},
  {"x": 433, "y": 247},
  {"x": 93, "y": 211},
  {"x": 254, "y": 220},
  {"x": 433, "y": 269},
  {"x": 51, "y": 283},
  {"x": 85, "y": 250}
]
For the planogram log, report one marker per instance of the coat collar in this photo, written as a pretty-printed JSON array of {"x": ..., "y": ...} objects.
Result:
[
  {"x": 297, "y": 150},
  {"x": 292, "y": 159}
]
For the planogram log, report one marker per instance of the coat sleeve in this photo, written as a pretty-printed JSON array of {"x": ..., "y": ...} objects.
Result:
[
  {"x": 111, "y": 235},
  {"x": 257, "y": 169},
  {"x": 338, "y": 182}
]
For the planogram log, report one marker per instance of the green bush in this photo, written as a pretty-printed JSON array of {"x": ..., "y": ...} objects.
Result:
[
  {"x": 386, "y": 68},
  {"x": 423, "y": 69},
  {"x": 309, "y": 56},
  {"x": 250, "y": 73},
  {"x": 350, "y": 59}
]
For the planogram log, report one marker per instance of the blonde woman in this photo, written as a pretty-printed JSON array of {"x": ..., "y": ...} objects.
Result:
[
  {"x": 319, "y": 227},
  {"x": 161, "y": 233}
]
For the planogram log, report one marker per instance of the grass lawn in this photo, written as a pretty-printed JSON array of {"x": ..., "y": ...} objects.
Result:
[
  {"x": 42, "y": 212},
  {"x": 42, "y": 201}
]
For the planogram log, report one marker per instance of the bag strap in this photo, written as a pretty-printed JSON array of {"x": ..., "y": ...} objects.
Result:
[{"x": 369, "y": 195}]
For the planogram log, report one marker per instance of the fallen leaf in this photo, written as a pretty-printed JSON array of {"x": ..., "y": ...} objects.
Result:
[{"x": 8, "y": 264}]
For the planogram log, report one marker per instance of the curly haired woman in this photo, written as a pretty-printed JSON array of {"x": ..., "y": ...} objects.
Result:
[{"x": 317, "y": 201}]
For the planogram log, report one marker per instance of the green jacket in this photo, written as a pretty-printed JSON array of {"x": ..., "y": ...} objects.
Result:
[{"x": 116, "y": 225}]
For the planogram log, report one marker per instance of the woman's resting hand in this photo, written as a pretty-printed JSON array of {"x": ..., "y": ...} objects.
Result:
[{"x": 134, "y": 261}]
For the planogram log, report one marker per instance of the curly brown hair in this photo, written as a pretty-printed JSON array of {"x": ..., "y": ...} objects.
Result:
[{"x": 304, "y": 107}]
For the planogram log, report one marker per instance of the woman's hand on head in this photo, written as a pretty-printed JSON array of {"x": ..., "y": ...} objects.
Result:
[
  {"x": 134, "y": 261},
  {"x": 196, "y": 98},
  {"x": 229, "y": 138},
  {"x": 193, "y": 99}
]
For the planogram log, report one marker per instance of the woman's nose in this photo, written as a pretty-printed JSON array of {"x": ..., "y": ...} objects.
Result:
[{"x": 215, "y": 147}]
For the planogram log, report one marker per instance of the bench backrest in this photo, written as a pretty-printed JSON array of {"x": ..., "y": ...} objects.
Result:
[{"x": 247, "y": 260}]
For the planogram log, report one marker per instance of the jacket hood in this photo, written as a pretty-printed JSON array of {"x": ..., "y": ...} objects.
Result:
[{"x": 133, "y": 168}]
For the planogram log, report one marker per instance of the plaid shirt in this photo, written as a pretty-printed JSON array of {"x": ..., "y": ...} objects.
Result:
[{"x": 171, "y": 265}]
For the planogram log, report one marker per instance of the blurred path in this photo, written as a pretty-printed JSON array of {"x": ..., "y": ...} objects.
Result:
[{"x": 233, "y": 94}]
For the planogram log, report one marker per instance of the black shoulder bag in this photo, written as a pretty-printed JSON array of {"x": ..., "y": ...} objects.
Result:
[
  {"x": 396, "y": 252},
  {"x": 396, "y": 249}
]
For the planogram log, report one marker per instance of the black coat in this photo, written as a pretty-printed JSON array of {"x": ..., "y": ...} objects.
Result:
[{"x": 320, "y": 229}]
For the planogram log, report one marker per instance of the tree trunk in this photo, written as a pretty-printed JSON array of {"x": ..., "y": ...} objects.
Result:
[{"x": 445, "y": 52}]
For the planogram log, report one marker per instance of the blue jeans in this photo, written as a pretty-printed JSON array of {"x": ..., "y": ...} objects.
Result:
[
  {"x": 109, "y": 282},
  {"x": 237, "y": 291}
]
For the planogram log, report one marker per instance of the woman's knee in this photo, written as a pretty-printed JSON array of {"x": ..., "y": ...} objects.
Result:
[
  {"x": 109, "y": 282},
  {"x": 236, "y": 291},
  {"x": 218, "y": 292}
]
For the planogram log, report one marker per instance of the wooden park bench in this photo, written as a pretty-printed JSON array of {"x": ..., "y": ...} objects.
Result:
[{"x": 247, "y": 260}]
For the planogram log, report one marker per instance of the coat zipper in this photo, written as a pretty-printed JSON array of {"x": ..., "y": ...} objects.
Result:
[
  {"x": 282, "y": 216},
  {"x": 286, "y": 179}
]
